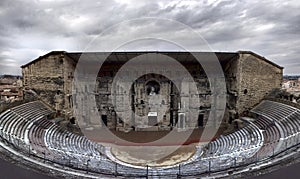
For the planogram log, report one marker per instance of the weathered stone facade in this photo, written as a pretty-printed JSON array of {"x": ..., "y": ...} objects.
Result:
[
  {"x": 256, "y": 78},
  {"x": 157, "y": 103},
  {"x": 46, "y": 78},
  {"x": 51, "y": 77}
]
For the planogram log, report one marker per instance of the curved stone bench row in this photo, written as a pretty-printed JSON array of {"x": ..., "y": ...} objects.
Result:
[
  {"x": 10, "y": 125},
  {"x": 281, "y": 125},
  {"x": 281, "y": 115},
  {"x": 238, "y": 142},
  {"x": 70, "y": 148},
  {"x": 36, "y": 134},
  {"x": 291, "y": 126},
  {"x": 274, "y": 110},
  {"x": 32, "y": 106},
  {"x": 16, "y": 122},
  {"x": 270, "y": 130},
  {"x": 28, "y": 122},
  {"x": 271, "y": 136},
  {"x": 18, "y": 118},
  {"x": 32, "y": 110},
  {"x": 263, "y": 123},
  {"x": 59, "y": 138},
  {"x": 278, "y": 126}
]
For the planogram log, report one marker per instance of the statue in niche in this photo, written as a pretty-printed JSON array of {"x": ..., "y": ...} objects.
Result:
[
  {"x": 153, "y": 88},
  {"x": 152, "y": 92}
]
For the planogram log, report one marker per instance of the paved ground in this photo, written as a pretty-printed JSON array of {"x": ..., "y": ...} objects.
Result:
[
  {"x": 11, "y": 171},
  {"x": 153, "y": 156},
  {"x": 148, "y": 138},
  {"x": 291, "y": 172}
]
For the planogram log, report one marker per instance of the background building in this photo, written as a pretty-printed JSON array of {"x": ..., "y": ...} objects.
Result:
[{"x": 10, "y": 88}]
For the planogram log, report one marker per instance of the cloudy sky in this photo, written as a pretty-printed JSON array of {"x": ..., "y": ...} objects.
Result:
[{"x": 32, "y": 28}]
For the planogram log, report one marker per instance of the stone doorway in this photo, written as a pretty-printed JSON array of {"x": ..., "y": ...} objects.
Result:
[
  {"x": 104, "y": 119},
  {"x": 200, "y": 120}
]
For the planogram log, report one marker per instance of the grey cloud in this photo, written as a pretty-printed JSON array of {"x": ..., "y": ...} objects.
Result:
[{"x": 30, "y": 28}]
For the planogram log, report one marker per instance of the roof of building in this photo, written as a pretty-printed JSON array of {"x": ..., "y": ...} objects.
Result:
[
  {"x": 7, "y": 81},
  {"x": 223, "y": 57},
  {"x": 8, "y": 86},
  {"x": 8, "y": 93},
  {"x": 260, "y": 57},
  {"x": 44, "y": 56}
]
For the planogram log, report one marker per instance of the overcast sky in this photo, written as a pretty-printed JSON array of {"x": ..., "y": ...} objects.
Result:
[{"x": 32, "y": 28}]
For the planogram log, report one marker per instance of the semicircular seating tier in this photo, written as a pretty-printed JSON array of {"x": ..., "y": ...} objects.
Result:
[
  {"x": 273, "y": 128},
  {"x": 280, "y": 124}
]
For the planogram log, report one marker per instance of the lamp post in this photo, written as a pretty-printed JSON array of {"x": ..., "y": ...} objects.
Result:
[
  {"x": 44, "y": 156},
  {"x": 116, "y": 169},
  {"x": 234, "y": 160},
  {"x": 147, "y": 171},
  {"x": 87, "y": 166},
  {"x": 209, "y": 167}
]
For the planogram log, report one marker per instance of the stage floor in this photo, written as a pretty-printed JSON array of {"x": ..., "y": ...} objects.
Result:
[{"x": 153, "y": 138}]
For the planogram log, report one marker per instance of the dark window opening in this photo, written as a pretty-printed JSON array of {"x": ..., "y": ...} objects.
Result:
[
  {"x": 171, "y": 118},
  {"x": 245, "y": 91},
  {"x": 104, "y": 119},
  {"x": 70, "y": 102},
  {"x": 72, "y": 120},
  {"x": 175, "y": 118},
  {"x": 200, "y": 120},
  {"x": 120, "y": 120},
  {"x": 230, "y": 120}
]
